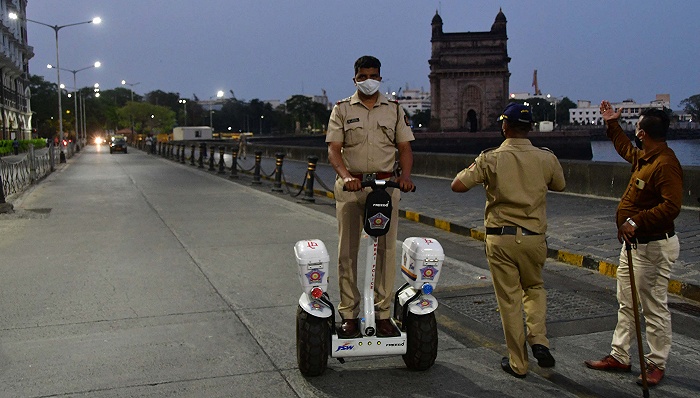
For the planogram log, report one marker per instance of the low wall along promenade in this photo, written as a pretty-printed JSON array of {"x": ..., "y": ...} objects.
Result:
[{"x": 601, "y": 179}]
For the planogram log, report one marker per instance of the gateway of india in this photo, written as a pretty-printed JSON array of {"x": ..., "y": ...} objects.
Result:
[{"x": 468, "y": 77}]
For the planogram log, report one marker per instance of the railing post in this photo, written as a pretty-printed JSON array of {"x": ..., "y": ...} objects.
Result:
[
  {"x": 256, "y": 172},
  {"x": 202, "y": 149},
  {"x": 310, "y": 176},
  {"x": 182, "y": 154},
  {"x": 32, "y": 164},
  {"x": 222, "y": 164},
  {"x": 234, "y": 164},
  {"x": 211, "y": 158},
  {"x": 192, "y": 156},
  {"x": 277, "y": 186},
  {"x": 52, "y": 156}
]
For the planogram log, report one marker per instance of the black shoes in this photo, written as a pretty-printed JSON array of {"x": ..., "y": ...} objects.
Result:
[
  {"x": 349, "y": 329},
  {"x": 505, "y": 365},
  {"x": 386, "y": 329},
  {"x": 544, "y": 357}
]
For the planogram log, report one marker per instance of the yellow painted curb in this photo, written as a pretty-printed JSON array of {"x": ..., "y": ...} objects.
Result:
[
  {"x": 675, "y": 287},
  {"x": 442, "y": 224},
  {"x": 607, "y": 269},
  {"x": 570, "y": 258}
]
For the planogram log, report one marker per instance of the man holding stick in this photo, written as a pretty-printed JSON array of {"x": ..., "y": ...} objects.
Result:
[{"x": 644, "y": 218}]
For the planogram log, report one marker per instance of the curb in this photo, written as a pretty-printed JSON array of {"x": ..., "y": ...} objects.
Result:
[{"x": 679, "y": 288}]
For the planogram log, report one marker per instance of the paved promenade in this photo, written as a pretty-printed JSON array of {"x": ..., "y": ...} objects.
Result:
[
  {"x": 130, "y": 275},
  {"x": 581, "y": 229}
]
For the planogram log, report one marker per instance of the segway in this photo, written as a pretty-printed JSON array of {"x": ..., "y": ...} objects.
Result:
[{"x": 421, "y": 265}]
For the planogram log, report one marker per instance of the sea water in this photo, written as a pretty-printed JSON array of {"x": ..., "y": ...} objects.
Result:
[{"x": 687, "y": 151}]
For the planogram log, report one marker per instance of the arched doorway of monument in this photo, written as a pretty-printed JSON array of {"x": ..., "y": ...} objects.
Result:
[{"x": 471, "y": 122}]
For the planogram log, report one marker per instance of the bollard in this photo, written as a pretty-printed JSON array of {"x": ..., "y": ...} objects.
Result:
[
  {"x": 202, "y": 149},
  {"x": 310, "y": 176},
  {"x": 234, "y": 164},
  {"x": 211, "y": 158},
  {"x": 182, "y": 154},
  {"x": 159, "y": 145},
  {"x": 277, "y": 186},
  {"x": 176, "y": 153},
  {"x": 256, "y": 173},
  {"x": 192, "y": 156},
  {"x": 222, "y": 164}
]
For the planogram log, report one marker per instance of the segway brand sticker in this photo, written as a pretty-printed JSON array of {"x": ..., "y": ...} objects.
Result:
[
  {"x": 428, "y": 272},
  {"x": 378, "y": 221},
  {"x": 345, "y": 347},
  {"x": 312, "y": 245},
  {"x": 425, "y": 303},
  {"x": 315, "y": 276}
]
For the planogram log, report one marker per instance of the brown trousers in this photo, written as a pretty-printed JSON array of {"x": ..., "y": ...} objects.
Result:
[
  {"x": 516, "y": 263},
  {"x": 350, "y": 209}
]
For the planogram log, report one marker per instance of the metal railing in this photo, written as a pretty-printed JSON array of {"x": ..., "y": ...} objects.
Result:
[{"x": 20, "y": 171}]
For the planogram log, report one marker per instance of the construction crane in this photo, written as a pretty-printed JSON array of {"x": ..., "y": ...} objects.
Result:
[{"x": 534, "y": 83}]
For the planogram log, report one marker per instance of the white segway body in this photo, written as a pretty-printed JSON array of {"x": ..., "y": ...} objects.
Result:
[
  {"x": 421, "y": 266},
  {"x": 312, "y": 261}
]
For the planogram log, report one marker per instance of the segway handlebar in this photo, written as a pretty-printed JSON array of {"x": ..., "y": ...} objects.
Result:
[{"x": 381, "y": 184}]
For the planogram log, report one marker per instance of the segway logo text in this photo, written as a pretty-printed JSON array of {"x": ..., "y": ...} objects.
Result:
[
  {"x": 381, "y": 205},
  {"x": 345, "y": 347},
  {"x": 396, "y": 344}
]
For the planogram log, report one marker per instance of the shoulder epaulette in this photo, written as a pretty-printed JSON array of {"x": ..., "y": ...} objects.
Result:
[
  {"x": 343, "y": 100},
  {"x": 393, "y": 100},
  {"x": 544, "y": 148},
  {"x": 489, "y": 149}
]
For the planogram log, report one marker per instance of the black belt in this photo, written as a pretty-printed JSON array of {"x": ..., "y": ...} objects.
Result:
[
  {"x": 508, "y": 230},
  {"x": 646, "y": 239}
]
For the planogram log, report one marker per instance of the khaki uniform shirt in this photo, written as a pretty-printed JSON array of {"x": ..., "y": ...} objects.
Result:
[
  {"x": 369, "y": 136},
  {"x": 516, "y": 177},
  {"x": 655, "y": 192}
]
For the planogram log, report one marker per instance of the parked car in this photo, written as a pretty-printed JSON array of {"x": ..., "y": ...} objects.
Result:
[{"x": 117, "y": 144}]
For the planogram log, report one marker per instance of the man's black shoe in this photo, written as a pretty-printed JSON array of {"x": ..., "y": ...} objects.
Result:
[
  {"x": 505, "y": 365},
  {"x": 349, "y": 329},
  {"x": 544, "y": 357},
  {"x": 386, "y": 329}
]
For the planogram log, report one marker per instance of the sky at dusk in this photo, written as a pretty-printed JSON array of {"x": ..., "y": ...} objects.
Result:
[{"x": 272, "y": 49}]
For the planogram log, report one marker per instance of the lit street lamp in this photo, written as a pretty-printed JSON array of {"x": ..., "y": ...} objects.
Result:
[
  {"x": 75, "y": 97},
  {"x": 219, "y": 94},
  {"x": 56, "y": 28},
  {"x": 131, "y": 88},
  {"x": 261, "y": 119},
  {"x": 184, "y": 108}
]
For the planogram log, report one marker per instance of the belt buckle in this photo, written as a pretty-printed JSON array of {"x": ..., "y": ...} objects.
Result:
[{"x": 369, "y": 177}]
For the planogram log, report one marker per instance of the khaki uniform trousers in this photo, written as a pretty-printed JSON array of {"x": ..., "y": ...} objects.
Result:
[
  {"x": 652, "y": 269},
  {"x": 350, "y": 210},
  {"x": 516, "y": 263}
]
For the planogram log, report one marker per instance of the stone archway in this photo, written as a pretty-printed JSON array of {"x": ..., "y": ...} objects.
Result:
[
  {"x": 471, "y": 107},
  {"x": 471, "y": 123}
]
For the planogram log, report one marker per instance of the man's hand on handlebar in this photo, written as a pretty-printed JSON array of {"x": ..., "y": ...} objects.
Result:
[
  {"x": 352, "y": 184},
  {"x": 405, "y": 183}
]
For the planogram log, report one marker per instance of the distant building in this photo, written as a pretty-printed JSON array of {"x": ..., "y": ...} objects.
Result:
[
  {"x": 469, "y": 77},
  {"x": 412, "y": 100},
  {"x": 15, "y": 104},
  {"x": 586, "y": 113}
]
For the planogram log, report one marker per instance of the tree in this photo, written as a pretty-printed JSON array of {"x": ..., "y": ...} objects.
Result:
[
  {"x": 309, "y": 116},
  {"x": 691, "y": 105},
  {"x": 563, "y": 110},
  {"x": 147, "y": 118},
  {"x": 421, "y": 119}
]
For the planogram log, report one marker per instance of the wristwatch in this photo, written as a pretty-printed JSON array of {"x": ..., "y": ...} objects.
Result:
[{"x": 632, "y": 223}]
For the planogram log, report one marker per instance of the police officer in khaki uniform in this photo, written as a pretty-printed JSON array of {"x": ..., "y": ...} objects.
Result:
[
  {"x": 364, "y": 132},
  {"x": 516, "y": 177}
]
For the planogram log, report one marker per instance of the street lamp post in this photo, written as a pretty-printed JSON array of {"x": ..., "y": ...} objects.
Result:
[
  {"x": 184, "y": 108},
  {"x": 261, "y": 120},
  {"x": 56, "y": 28},
  {"x": 219, "y": 94},
  {"x": 131, "y": 117},
  {"x": 75, "y": 96}
]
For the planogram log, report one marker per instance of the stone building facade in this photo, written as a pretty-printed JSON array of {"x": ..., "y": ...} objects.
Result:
[
  {"x": 468, "y": 77},
  {"x": 15, "y": 104}
]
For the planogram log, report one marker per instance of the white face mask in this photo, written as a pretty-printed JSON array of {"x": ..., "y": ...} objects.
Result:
[{"x": 368, "y": 87}]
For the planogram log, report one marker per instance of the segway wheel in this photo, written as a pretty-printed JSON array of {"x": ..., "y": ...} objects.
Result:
[
  {"x": 421, "y": 341},
  {"x": 313, "y": 342}
]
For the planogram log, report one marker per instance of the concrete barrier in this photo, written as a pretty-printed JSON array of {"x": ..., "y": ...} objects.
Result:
[{"x": 601, "y": 179}]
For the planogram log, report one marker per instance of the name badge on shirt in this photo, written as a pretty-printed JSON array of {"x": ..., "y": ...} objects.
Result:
[
  {"x": 355, "y": 120},
  {"x": 639, "y": 183}
]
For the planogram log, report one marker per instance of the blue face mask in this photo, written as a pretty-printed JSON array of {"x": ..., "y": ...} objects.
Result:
[{"x": 368, "y": 87}]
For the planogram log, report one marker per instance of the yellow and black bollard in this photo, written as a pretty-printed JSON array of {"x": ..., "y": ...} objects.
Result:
[
  {"x": 222, "y": 164},
  {"x": 234, "y": 164},
  {"x": 202, "y": 149},
  {"x": 256, "y": 170},
  {"x": 279, "y": 159},
  {"x": 211, "y": 158},
  {"x": 310, "y": 176},
  {"x": 182, "y": 154},
  {"x": 192, "y": 156}
]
